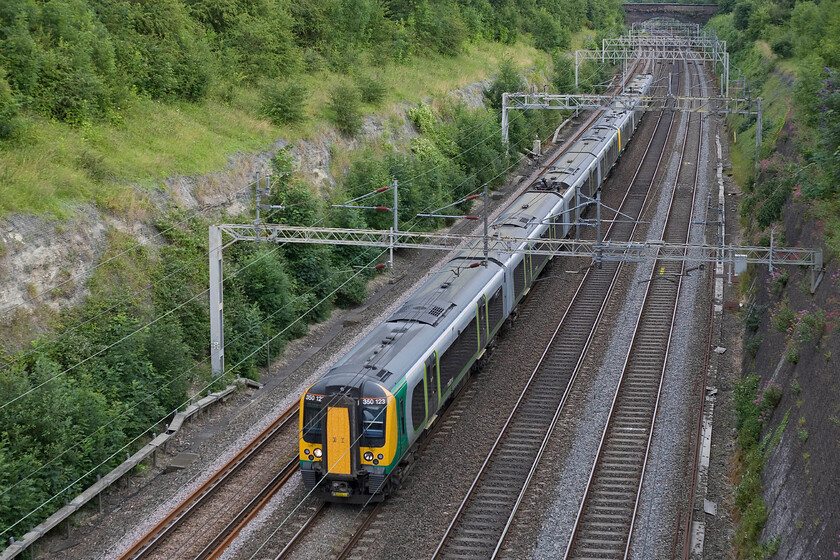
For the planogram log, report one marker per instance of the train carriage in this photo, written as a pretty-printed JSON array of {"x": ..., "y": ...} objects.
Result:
[{"x": 360, "y": 423}]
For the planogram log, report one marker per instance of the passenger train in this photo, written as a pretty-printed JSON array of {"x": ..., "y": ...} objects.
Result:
[{"x": 360, "y": 423}]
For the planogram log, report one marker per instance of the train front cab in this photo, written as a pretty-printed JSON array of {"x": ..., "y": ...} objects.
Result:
[{"x": 348, "y": 441}]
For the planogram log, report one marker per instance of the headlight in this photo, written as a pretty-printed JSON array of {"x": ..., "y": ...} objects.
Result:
[
  {"x": 380, "y": 456},
  {"x": 318, "y": 452},
  {"x": 306, "y": 452},
  {"x": 368, "y": 456}
]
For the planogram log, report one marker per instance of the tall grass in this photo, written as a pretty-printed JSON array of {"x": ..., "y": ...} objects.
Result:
[{"x": 56, "y": 166}]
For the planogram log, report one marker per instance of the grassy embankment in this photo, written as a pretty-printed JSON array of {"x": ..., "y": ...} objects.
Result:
[{"x": 58, "y": 165}]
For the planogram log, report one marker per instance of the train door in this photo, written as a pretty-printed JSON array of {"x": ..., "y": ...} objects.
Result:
[
  {"x": 529, "y": 263},
  {"x": 432, "y": 384},
  {"x": 342, "y": 429}
]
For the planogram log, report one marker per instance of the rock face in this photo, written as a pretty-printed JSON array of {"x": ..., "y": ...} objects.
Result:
[
  {"x": 45, "y": 261},
  {"x": 800, "y": 479}
]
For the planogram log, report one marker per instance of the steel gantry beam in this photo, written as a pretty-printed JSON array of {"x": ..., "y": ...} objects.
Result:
[
  {"x": 663, "y": 41},
  {"x": 596, "y": 252},
  {"x": 605, "y": 251},
  {"x": 714, "y": 105},
  {"x": 670, "y": 27},
  {"x": 695, "y": 104},
  {"x": 655, "y": 54}
]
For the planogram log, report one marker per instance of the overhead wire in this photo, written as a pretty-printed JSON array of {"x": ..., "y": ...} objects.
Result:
[
  {"x": 320, "y": 415},
  {"x": 181, "y": 305},
  {"x": 167, "y": 384},
  {"x": 17, "y": 358},
  {"x": 198, "y": 392},
  {"x": 230, "y": 341}
]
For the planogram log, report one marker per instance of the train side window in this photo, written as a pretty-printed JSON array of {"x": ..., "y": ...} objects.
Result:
[
  {"x": 418, "y": 405},
  {"x": 496, "y": 310},
  {"x": 519, "y": 278},
  {"x": 456, "y": 357}
]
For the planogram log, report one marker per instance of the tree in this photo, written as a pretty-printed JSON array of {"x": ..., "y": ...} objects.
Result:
[
  {"x": 563, "y": 78},
  {"x": 508, "y": 80}
]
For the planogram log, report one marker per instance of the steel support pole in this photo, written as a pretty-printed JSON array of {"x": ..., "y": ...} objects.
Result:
[
  {"x": 576, "y": 69},
  {"x": 396, "y": 226},
  {"x": 217, "y": 337},
  {"x": 486, "y": 225},
  {"x": 758, "y": 132},
  {"x": 726, "y": 65},
  {"x": 598, "y": 235},
  {"x": 505, "y": 124}
]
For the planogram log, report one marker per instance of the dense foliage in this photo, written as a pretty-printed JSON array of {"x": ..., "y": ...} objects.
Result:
[
  {"x": 138, "y": 349},
  {"x": 803, "y": 37},
  {"x": 80, "y": 60}
]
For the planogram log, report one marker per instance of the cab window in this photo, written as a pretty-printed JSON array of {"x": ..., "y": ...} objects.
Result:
[
  {"x": 312, "y": 423},
  {"x": 373, "y": 425}
]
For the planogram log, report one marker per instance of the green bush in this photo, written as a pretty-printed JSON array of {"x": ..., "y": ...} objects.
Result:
[
  {"x": 372, "y": 89},
  {"x": 563, "y": 78},
  {"x": 783, "y": 317},
  {"x": 782, "y": 45},
  {"x": 753, "y": 315},
  {"x": 284, "y": 103},
  {"x": 345, "y": 110},
  {"x": 753, "y": 345},
  {"x": 10, "y": 123}
]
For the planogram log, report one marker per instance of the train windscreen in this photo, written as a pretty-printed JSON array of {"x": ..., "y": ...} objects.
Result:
[
  {"x": 373, "y": 424},
  {"x": 312, "y": 423}
]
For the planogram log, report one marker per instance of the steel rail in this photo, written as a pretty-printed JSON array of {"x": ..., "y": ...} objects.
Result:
[
  {"x": 525, "y": 393},
  {"x": 227, "y": 535},
  {"x": 167, "y": 526},
  {"x": 357, "y": 534},
  {"x": 683, "y": 529},
  {"x": 698, "y": 437},
  {"x": 544, "y": 444},
  {"x": 348, "y": 547},
  {"x": 603, "y": 538},
  {"x": 303, "y": 529}
]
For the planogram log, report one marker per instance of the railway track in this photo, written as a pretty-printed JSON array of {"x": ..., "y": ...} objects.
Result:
[
  {"x": 184, "y": 532},
  {"x": 293, "y": 532},
  {"x": 480, "y": 523},
  {"x": 205, "y": 523},
  {"x": 605, "y": 521}
]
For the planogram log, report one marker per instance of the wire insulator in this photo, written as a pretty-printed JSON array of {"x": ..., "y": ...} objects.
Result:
[
  {"x": 383, "y": 189},
  {"x": 470, "y": 217},
  {"x": 382, "y": 209}
]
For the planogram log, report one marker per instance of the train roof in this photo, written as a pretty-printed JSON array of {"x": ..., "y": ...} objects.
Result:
[
  {"x": 394, "y": 346},
  {"x": 385, "y": 355}
]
